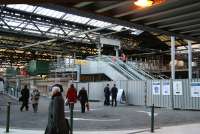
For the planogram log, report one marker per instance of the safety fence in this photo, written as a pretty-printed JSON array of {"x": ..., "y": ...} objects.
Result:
[{"x": 176, "y": 94}]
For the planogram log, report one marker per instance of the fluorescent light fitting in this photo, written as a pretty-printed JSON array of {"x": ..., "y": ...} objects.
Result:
[{"x": 144, "y": 3}]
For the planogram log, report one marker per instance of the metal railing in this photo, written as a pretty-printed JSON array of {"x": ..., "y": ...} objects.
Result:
[{"x": 12, "y": 91}]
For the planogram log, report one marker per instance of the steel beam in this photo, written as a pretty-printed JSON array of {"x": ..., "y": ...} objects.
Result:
[
  {"x": 174, "y": 18},
  {"x": 38, "y": 43},
  {"x": 180, "y": 23},
  {"x": 78, "y": 34},
  {"x": 96, "y": 29},
  {"x": 167, "y": 12},
  {"x": 195, "y": 34},
  {"x": 5, "y": 23},
  {"x": 83, "y": 4},
  {"x": 185, "y": 27},
  {"x": 190, "y": 31},
  {"x": 113, "y": 6}
]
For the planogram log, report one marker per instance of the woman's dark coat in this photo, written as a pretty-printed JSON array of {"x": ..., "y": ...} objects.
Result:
[
  {"x": 56, "y": 117},
  {"x": 82, "y": 96}
]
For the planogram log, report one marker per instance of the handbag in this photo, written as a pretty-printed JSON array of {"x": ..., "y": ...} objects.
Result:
[
  {"x": 87, "y": 106},
  {"x": 66, "y": 102},
  {"x": 20, "y": 98}
]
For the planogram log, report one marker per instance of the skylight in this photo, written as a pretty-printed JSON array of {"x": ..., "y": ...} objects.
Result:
[
  {"x": 24, "y": 7},
  {"x": 49, "y": 12},
  {"x": 76, "y": 18},
  {"x": 98, "y": 23},
  {"x": 68, "y": 17}
]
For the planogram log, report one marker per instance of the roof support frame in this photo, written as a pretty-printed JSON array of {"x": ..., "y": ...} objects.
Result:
[
  {"x": 113, "y": 6},
  {"x": 186, "y": 27},
  {"x": 166, "y": 12},
  {"x": 128, "y": 24},
  {"x": 189, "y": 31},
  {"x": 179, "y": 23},
  {"x": 173, "y": 18},
  {"x": 5, "y": 23}
]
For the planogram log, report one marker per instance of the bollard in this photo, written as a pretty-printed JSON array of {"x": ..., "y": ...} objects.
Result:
[
  {"x": 71, "y": 117},
  {"x": 8, "y": 118},
  {"x": 152, "y": 119}
]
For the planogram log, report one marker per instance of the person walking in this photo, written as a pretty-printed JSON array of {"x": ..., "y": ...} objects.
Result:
[
  {"x": 71, "y": 96},
  {"x": 56, "y": 116},
  {"x": 83, "y": 98},
  {"x": 24, "y": 98},
  {"x": 35, "y": 95},
  {"x": 114, "y": 92},
  {"x": 107, "y": 95}
]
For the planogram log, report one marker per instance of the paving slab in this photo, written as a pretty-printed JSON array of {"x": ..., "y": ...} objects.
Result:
[{"x": 182, "y": 129}]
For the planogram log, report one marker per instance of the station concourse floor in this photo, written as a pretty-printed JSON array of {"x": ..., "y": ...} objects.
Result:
[
  {"x": 182, "y": 129},
  {"x": 104, "y": 119}
]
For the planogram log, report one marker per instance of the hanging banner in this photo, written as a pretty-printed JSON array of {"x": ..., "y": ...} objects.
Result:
[
  {"x": 165, "y": 88},
  {"x": 195, "y": 89},
  {"x": 177, "y": 88},
  {"x": 156, "y": 88}
]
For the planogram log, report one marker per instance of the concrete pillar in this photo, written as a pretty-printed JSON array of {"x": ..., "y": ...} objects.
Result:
[
  {"x": 189, "y": 60},
  {"x": 172, "y": 57}
]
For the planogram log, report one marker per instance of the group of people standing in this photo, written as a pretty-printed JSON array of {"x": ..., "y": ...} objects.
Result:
[
  {"x": 25, "y": 94},
  {"x": 57, "y": 123},
  {"x": 113, "y": 93}
]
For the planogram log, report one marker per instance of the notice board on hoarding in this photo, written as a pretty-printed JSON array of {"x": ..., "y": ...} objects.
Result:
[
  {"x": 177, "y": 88},
  {"x": 156, "y": 88},
  {"x": 195, "y": 89},
  {"x": 165, "y": 88}
]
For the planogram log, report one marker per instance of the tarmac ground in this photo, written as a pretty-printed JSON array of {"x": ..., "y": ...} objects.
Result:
[{"x": 99, "y": 118}]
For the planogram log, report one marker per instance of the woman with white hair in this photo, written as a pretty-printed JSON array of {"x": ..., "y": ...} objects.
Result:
[
  {"x": 56, "y": 117},
  {"x": 35, "y": 95}
]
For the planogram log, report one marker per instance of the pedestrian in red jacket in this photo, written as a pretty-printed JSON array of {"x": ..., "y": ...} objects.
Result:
[{"x": 71, "y": 96}]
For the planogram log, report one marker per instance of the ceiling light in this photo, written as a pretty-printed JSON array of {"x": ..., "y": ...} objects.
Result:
[{"x": 144, "y": 3}]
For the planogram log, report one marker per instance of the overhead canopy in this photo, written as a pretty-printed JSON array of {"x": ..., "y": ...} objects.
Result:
[
  {"x": 77, "y": 26},
  {"x": 172, "y": 17}
]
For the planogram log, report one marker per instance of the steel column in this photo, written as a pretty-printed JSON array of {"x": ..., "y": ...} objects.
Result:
[
  {"x": 172, "y": 57},
  {"x": 189, "y": 60}
]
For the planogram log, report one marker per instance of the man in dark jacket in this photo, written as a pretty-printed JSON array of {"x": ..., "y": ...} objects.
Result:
[
  {"x": 107, "y": 95},
  {"x": 114, "y": 92},
  {"x": 56, "y": 117},
  {"x": 83, "y": 97},
  {"x": 24, "y": 98}
]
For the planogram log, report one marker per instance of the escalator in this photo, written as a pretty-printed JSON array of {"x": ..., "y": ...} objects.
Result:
[
  {"x": 120, "y": 67},
  {"x": 113, "y": 68},
  {"x": 132, "y": 72}
]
